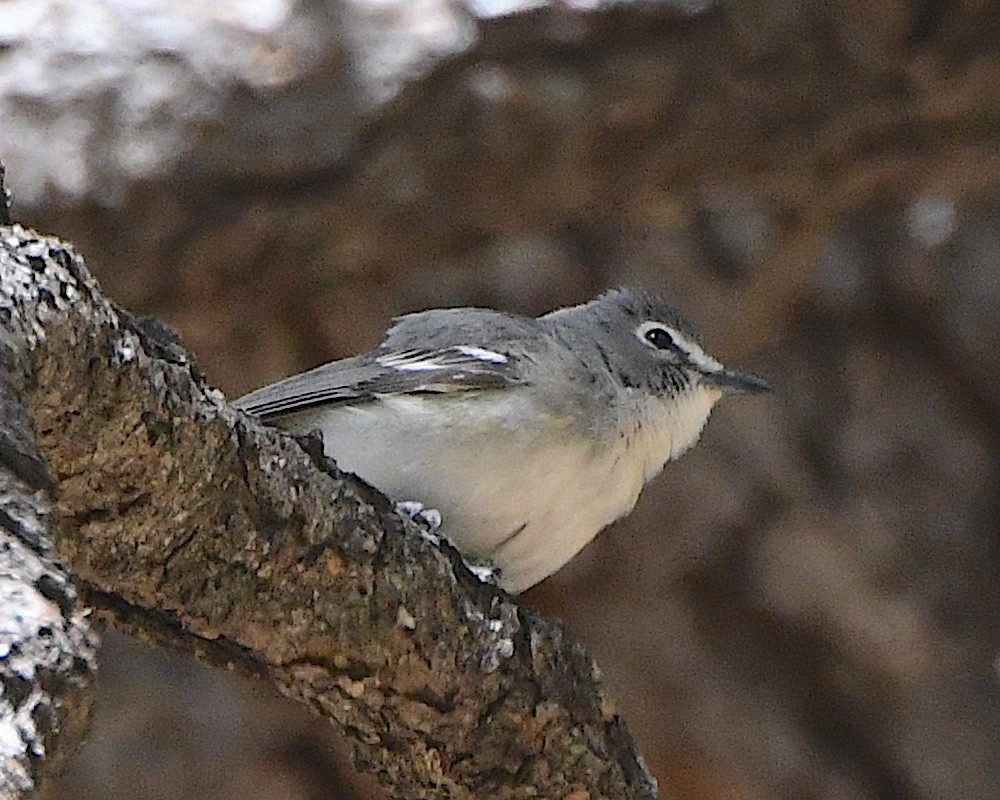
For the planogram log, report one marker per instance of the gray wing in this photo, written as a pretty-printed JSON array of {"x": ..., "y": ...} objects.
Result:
[{"x": 453, "y": 350}]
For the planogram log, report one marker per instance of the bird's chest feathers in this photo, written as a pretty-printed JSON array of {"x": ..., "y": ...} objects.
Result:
[
  {"x": 661, "y": 429},
  {"x": 514, "y": 483},
  {"x": 540, "y": 461},
  {"x": 585, "y": 480}
]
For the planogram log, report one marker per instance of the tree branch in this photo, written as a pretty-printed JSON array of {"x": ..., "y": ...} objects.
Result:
[
  {"x": 187, "y": 523},
  {"x": 46, "y": 646}
]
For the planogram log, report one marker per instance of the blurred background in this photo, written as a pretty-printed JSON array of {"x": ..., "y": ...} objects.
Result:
[{"x": 807, "y": 605}]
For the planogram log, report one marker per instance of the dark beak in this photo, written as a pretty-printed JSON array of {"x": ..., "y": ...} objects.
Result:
[{"x": 730, "y": 381}]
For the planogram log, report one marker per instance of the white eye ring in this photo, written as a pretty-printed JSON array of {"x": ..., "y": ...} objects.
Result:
[
  {"x": 687, "y": 350},
  {"x": 660, "y": 337}
]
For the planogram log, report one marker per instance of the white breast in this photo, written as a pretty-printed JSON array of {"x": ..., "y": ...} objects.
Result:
[{"x": 528, "y": 496}]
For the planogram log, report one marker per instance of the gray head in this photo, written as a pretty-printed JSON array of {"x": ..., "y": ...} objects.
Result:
[{"x": 648, "y": 346}]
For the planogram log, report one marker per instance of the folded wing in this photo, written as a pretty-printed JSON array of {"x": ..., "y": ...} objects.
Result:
[{"x": 454, "y": 358}]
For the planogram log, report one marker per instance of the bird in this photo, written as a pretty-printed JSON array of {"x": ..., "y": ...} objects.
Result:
[{"x": 528, "y": 435}]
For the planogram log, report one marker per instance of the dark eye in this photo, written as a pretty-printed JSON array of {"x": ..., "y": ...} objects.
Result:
[{"x": 661, "y": 339}]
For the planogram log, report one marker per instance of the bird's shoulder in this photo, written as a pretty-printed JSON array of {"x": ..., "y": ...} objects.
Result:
[{"x": 442, "y": 328}]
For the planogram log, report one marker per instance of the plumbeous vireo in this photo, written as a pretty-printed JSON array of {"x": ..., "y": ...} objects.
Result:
[{"x": 529, "y": 435}]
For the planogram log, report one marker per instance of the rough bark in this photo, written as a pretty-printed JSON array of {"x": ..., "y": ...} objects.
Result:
[
  {"x": 47, "y": 648},
  {"x": 190, "y": 524}
]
